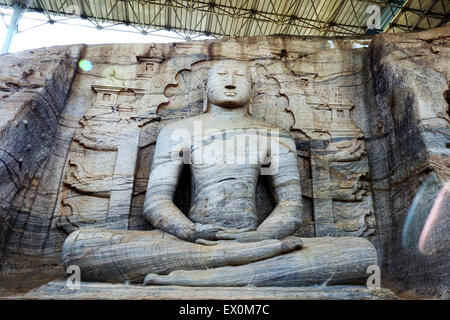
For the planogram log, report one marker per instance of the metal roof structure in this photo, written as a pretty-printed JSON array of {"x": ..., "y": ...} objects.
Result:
[{"x": 242, "y": 18}]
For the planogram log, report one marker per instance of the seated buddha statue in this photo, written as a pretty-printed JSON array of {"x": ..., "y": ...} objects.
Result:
[{"x": 221, "y": 241}]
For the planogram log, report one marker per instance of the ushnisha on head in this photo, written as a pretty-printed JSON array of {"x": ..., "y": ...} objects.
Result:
[{"x": 228, "y": 85}]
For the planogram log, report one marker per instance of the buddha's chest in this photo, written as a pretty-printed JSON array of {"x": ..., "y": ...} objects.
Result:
[
  {"x": 227, "y": 148},
  {"x": 225, "y": 195},
  {"x": 225, "y": 166}
]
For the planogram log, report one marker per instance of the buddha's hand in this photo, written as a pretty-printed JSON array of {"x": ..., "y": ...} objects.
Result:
[
  {"x": 249, "y": 236},
  {"x": 202, "y": 231},
  {"x": 237, "y": 235},
  {"x": 222, "y": 231}
]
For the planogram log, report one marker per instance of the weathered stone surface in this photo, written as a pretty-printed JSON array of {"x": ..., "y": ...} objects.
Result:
[
  {"x": 408, "y": 147},
  {"x": 118, "y": 256},
  {"x": 370, "y": 125},
  {"x": 227, "y": 151},
  {"x": 173, "y": 90},
  {"x": 34, "y": 86},
  {"x": 93, "y": 290}
]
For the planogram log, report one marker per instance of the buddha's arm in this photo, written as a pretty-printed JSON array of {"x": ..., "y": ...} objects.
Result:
[
  {"x": 159, "y": 209},
  {"x": 286, "y": 217}
]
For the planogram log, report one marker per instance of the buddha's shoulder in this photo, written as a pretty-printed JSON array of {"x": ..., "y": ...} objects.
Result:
[
  {"x": 186, "y": 124},
  {"x": 257, "y": 123}
]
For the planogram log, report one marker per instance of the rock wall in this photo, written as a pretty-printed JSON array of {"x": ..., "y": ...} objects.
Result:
[
  {"x": 408, "y": 147},
  {"x": 34, "y": 86},
  {"x": 346, "y": 105}
]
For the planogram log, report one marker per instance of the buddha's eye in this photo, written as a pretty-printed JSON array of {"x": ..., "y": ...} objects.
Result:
[
  {"x": 239, "y": 73},
  {"x": 222, "y": 73}
]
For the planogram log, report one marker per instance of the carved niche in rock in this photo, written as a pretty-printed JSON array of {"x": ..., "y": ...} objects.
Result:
[
  {"x": 98, "y": 183},
  {"x": 330, "y": 147}
]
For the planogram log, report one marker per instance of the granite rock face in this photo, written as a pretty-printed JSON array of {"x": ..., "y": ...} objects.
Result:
[
  {"x": 370, "y": 125},
  {"x": 409, "y": 156},
  {"x": 34, "y": 86}
]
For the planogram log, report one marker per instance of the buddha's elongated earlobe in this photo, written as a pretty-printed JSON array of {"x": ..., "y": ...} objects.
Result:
[{"x": 205, "y": 98}]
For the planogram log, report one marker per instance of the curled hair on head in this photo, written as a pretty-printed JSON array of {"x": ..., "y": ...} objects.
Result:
[{"x": 205, "y": 84}]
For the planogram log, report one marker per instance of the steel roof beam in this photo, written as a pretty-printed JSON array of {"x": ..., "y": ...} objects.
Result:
[
  {"x": 423, "y": 15},
  {"x": 243, "y": 17}
]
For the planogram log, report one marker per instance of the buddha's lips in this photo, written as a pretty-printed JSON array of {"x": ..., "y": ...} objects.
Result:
[{"x": 230, "y": 94}]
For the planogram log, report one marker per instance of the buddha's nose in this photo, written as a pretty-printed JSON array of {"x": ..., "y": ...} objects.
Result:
[{"x": 230, "y": 87}]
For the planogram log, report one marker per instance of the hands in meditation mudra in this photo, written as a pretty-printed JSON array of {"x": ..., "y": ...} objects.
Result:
[{"x": 221, "y": 242}]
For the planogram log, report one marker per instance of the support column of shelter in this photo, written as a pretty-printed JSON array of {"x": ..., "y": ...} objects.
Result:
[{"x": 19, "y": 8}]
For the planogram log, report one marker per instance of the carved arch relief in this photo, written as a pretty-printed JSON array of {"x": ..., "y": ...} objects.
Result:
[{"x": 123, "y": 120}]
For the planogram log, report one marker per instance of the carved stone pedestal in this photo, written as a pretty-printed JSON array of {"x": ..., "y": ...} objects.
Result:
[{"x": 94, "y": 290}]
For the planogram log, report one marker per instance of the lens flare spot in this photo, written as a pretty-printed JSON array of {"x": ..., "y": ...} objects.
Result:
[
  {"x": 85, "y": 65},
  {"x": 427, "y": 226},
  {"x": 435, "y": 232},
  {"x": 419, "y": 211}
]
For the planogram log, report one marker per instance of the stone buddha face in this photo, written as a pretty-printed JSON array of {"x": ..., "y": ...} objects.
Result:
[{"x": 229, "y": 84}]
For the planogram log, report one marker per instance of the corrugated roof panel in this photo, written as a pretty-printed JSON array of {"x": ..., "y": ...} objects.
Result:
[{"x": 249, "y": 17}]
